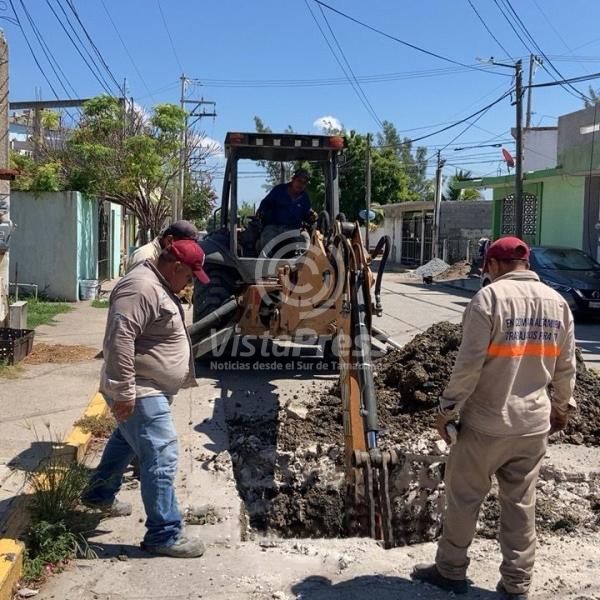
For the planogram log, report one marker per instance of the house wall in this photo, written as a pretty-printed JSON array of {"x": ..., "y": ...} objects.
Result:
[
  {"x": 461, "y": 223},
  {"x": 44, "y": 247},
  {"x": 539, "y": 148},
  {"x": 562, "y": 211},
  {"x": 465, "y": 220},
  {"x": 578, "y": 137}
]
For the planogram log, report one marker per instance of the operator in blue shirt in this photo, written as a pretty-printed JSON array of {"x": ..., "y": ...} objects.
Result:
[{"x": 283, "y": 212}]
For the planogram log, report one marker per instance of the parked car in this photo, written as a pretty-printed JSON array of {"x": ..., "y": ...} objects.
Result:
[{"x": 571, "y": 272}]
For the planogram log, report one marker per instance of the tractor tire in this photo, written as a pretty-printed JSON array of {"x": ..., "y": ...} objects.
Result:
[{"x": 209, "y": 297}]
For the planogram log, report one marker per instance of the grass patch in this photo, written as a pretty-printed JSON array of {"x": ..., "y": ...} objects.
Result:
[
  {"x": 43, "y": 312},
  {"x": 50, "y": 547},
  {"x": 99, "y": 426},
  {"x": 100, "y": 303},
  {"x": 56, "y": 534},
  {"x": 10, "y": 371}
]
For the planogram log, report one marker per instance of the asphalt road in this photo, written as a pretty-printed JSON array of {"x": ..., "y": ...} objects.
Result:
[{"x": 411, "y": 308}]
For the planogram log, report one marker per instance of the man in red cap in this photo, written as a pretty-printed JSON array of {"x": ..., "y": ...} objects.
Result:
[
  {"x": 517, "y": 340},
  {"x": 147, "y": 360}
]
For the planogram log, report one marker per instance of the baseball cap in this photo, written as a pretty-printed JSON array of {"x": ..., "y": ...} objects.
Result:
[
  {"x": 302, "y": 173},
  {"x": 508, "y": 248},
  {"x": 182, "y": 230},
  {"x": 189, "y": 253}
]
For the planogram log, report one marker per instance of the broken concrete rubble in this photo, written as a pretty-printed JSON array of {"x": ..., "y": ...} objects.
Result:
[{"x": 289, "y": 471}]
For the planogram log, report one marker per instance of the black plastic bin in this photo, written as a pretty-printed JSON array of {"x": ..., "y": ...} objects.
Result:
[{"x": 15, "y": 344}]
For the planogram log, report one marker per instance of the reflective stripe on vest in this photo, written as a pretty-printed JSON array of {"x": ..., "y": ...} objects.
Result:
[{"x": 528, "y": 349}]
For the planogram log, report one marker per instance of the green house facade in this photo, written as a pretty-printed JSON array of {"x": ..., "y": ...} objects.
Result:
[{"x": 553, "y": 207}]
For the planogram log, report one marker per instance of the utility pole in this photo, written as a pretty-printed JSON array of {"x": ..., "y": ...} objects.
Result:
[
  {"x": 437, "y": 207},
  {"x": 533, "y": 60},
  {"x": 519, "y": 150},
  {"x": 5, "y": 222},
  {"x": 518, "y": 68},
  {"x": 177, "y": 208},
  {"x": 184, "y": 159},
  {"x": 124, "y": 100},
  {"x": 368, "y": 190}
]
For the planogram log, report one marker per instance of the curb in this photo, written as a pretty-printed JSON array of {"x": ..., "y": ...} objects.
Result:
[{"x": 12, "y": 550}]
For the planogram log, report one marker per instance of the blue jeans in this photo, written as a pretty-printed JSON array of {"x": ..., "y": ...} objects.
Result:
[{"x": 150, "y": 435}]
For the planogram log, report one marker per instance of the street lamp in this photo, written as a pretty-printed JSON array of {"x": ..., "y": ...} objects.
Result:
[{"x": 479, "y": 146}]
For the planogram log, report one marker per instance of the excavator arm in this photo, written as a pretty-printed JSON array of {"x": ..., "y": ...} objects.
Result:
[{"x": 366, "y": 464}]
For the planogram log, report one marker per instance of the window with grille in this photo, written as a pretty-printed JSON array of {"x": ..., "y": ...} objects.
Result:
[{"x": 530, "y": 215}]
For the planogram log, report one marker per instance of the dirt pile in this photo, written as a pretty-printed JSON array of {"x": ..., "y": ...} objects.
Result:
[
  {"x": 289, "y": 472},
  {"x": 408, "y": 381},
  {"x": 584, "y": 424},
  {"x": 43, "y": 353}
]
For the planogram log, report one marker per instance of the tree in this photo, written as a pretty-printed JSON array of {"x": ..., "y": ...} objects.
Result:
[
  {"x": 36, "y": 177},
  {"x": 396, "y": 174},
  {"x": 123, "y": 155},
  {"x": 199, "y": 199},
  {"x": 246, "y": 210},
  {"x": 414, "y": 166},
  {"x": 593, "y": 99},
  {"x": 454, "y": 193}
]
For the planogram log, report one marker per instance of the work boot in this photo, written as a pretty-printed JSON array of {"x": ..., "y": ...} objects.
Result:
[
  {"x": 428, "y": 573},
  {"x": 184, "y": 547},
  {"x": 510, "y": 595},
  {"x": 113, "y": 509}
]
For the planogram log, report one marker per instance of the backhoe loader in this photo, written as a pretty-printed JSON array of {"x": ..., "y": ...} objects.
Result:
[{"x": 323, "y": 294}]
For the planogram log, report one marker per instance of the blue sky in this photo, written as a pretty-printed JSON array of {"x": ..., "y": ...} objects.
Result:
[{"x": 275, "y": 40}]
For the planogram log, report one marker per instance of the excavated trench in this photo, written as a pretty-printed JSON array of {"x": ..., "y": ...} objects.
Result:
[{"x": 288, "y": 461}]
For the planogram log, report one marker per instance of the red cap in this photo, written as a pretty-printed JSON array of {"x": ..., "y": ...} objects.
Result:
[
  {"x": 508, "y": 248},
  {"x": 189, "y": 253}
]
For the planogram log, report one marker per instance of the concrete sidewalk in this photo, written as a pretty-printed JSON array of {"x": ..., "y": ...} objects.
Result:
[{"x": 45, "y": 400}]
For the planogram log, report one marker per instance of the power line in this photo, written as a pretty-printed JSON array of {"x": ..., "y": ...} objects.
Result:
[
  {"x": 59, "y": 74},
  {"x": 536, "y": 46},
  {"x": 98, "y": 75},
  {"x": 471, "y": 124},
  {"x": 332, "y": 81},
  {"x": 93, "y": 60},
  {"x": 512, "y": 26},
  {"x": 403, "y": 42},
  {"x": 561, "y": 82},
  {"x": 349, "y": 66},
  {"x": 126, "y": 50},
  {"x": 93, "y": 45},
  {"x": 162, "y": 15},
  {"x": 456, "y": 124},
  {"x": 33, "y": 55},
  {"x": 489, "y": 30},
  {"x": 339, "y": 62},
  {"x": 165, "y": 88},
  {"x": 556, "y": 31}
]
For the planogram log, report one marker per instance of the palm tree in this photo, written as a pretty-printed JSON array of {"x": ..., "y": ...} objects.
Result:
[
  {"x": 593, "y": 99},
  {"x": 454, "y": 193}
]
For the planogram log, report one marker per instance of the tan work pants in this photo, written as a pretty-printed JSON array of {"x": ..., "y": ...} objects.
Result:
[{"x": 516, "y": 463}]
